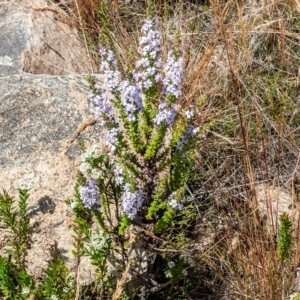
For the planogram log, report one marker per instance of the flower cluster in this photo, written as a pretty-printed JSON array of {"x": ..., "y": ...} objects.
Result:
[
  {"x": 85, "y": 167},
  {"x": 166, "y": 114},
  {"x": 184, "y": 139},
  {"x": 25, "y": 291},
  {"x": 94, "y": 152},
  {"x": 118, "y": 171},
  {"x": 97, "y": 241},
  {"x": 102, "y": 105},
  {"x": 131, "y": 99},
  {"x": 100, "y": 99},
  {"x": 89, "y": 194},
  {"x": 171, "y": 264},
  {"x": 168, "y": 272},
  {"x": 150, "y": 49},
  {"x": 182, "y": 142},
  {"x": 191, "y": 132},
  {"x": 136, "y": 99},
  {"x": 74, "y": 204},
  {"x": 174, "y": 203},
  {"x": 173, "y": 75},
  {"x": 109, "y": 67},
  {"x": 189, "y": 114},
  {"x": 112, "y": 82},
  {"x": 132, "y": 201},
  {"x": 112, "y": 139}
]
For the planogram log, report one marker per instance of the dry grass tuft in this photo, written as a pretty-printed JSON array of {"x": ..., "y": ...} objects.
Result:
[
  {"x": 85, "y": 10},
  {"x": 120, "y": 283}
]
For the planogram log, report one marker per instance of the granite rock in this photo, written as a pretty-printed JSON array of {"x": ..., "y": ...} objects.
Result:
[
  {"x": 40, "y": 117},
  {"x": 36, "y": 36}
]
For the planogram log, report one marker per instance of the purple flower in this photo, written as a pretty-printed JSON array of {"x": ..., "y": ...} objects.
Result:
[
  {"x": 131, "y": 99},
  {"x": 184, "y": 139},
  {"x": 166, "y": 114},
  {"x": 131, "y": 202},
  {"x": 112, "y": 138},
  {"x": 182, "y": 142},
  {"x": 109, "y": 67},
  {"x": 189, "y": 114},
  {"x": 175, "y": 204},
  {"x": 89, "y": 194},
  {"x": 190, "y": 131},
  {"x": 147, "y": 26},
  {"x": 143, "y": 62},
  {"x": 173, "y": 75},
  {"x": 158, "y": 78},
  {"x": 119, "y": 175},
  {"x": 112, "y": 82},
  {"x": 147, "y": 84},
  {"x": 150, "y": 49},
  {"x": 102, "y": 105}
]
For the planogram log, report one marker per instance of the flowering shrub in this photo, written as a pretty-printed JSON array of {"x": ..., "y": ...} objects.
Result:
[
  {"x": 138, "y": 175},
  {"x": 151, "y": 136}
]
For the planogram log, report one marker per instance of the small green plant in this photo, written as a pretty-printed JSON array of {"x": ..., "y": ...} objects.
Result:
[
  {"x": 57, "y": 284},
  {"x": 17, "y": 225},
  {"x": 285, "y": 237},
  {"x": 15, "y": 283}
]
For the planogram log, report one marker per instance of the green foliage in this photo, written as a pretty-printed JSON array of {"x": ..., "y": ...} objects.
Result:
[
  {"x": 155, "y": 142},
  {"x": 25, "y": 281},
  {"x": 165, "y": 220},
  {"x": 103, "y": 21},
  {"x": 17, "y": 224},
  {"x": 148, "y": 153},
  {"x": 285, "y": 237},
  {"x": 156, "y": 204},
  {"x": 99, "y": 248},
  {"x": 57, "y": 282},
  {"x": 7, "y": 280},
  {"x": 155, "y": 155},
  {"x": 94, "y": 244},
  {"x": 15, "y": 283},
  {"x": 124, "y": 224}
]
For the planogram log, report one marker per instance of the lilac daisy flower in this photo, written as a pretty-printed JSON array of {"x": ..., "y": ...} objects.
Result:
[
  {"x": 89, "y": 194},
  {"x": 166, "y": 114},
  {"x": 102, "y": 105},
  {"x": 112, "y": 138},
  {"x": 118, "y": 170},
  {"x": 131, "y": 202},
  {"x": 109, "y": 67},
  {"x": 150, "y": 49},
  {"x": 173, "y": 75},
  {"x": 131, "y": 99}
]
